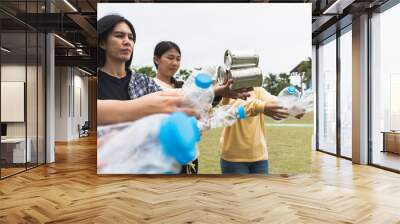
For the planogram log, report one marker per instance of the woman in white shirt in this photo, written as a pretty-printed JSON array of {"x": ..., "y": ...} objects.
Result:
[{"x": 167, "y": 59}]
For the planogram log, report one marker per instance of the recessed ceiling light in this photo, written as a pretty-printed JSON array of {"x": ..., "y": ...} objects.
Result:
[
  {"x": 65, "y": 41},
  {"x": 86, "y": 72},
  {"x": 71, "y": 6},
  {"x": 5, "y": 50},
  {"x": 338, "y": 6}
]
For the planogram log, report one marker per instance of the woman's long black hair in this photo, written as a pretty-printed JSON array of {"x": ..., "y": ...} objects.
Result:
[{"x": 104, "y": 27}]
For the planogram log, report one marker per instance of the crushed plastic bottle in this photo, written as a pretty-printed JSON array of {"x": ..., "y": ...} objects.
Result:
[
  {"x": 303, "y": 105},
  {"x": 156, "y": 144},
  {"x": 223, "y": 116},
  {"x": 288, "y": 98},
  {"x": 307, "y": 100},
  {"x": 199, "y": 94},
  {"x": 295, "y": 102}
]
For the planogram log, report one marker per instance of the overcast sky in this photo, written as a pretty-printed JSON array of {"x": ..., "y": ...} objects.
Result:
[{"x": 279, "y": 33}]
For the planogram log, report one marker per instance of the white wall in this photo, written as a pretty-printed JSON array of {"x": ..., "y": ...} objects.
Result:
[
  {"x": 80, "y": 100},
  {"x": 16, "y": 73},
  {"x": 33, "y": 127},
  {"x": 71, "y": 94},
  {"x": 61, "y": 103}
]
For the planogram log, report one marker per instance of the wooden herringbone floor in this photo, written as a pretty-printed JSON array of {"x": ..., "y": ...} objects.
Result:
[{"x": 69, "y": 191}]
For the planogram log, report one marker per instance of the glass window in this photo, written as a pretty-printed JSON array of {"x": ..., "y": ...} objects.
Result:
[
  {"x": 31, "y": 96},
  {"x": 22, "y": 89},
  {"x": 346, "y": 94},
  {"x": 14, "y": 153},
  {"x": 327, "y": 96},
  {"x": 385, "y": 86}
]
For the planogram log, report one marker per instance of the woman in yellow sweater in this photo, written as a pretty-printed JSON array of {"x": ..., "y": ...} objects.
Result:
[
  {"x": 167, "y": 59},
  {"x": 243, "y": 145}
]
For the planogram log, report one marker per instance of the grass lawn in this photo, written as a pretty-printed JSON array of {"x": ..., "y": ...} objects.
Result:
[{"x": 289, "y": 148}]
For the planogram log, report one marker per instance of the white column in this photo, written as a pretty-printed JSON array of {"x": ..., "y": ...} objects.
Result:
[
  {"x": 50, "y": 92},
  {"x": 360, "y": 90},
  {"x": 50, "y": 100},
  {"x": 314, "y": 87}
]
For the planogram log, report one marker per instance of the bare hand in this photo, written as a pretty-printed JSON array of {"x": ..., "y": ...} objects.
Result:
[
  {"x": 299, "y": 110},
  {"x": 299, "y": 116},
  {"x": 275, "y": 111},
  {"x": 166, "y": 102},
  {"x": 225, "y": 91}
]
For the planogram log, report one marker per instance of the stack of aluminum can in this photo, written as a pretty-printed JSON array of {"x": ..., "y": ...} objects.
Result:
[{"x": 242, "y": 67}]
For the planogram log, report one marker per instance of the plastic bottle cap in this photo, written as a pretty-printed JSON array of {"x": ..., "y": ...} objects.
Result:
[
  {"x": 241, "y": 112},
  {"x": 178, "y": 137},
  {"x": 203, "y": 80},
  {"x": 291, "y": 90}
]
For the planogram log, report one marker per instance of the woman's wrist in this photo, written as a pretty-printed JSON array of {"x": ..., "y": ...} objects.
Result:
[{"x": 141, "y": 108}]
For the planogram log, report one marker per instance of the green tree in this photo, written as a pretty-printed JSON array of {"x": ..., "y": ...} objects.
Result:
[
  {"x": 305, "y": 66},
  {"x": 183, "y": 74},
  {"x": 284, "y": 81},
  {"x": 270, "y": 83},
  {"x": 274, "y": 83},
  {"x": 147, "y": 70}
]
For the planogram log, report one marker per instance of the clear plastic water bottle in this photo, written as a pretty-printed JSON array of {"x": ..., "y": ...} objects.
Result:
[
  {"x": 304, "y": 104},
  {"x": 156, "y": 144},
  {"x": 289, "y": 97},
  {"x": 223, "y": 116},
  {"x": 198, "y": 93},
  {"x": 307, "y": 100}
]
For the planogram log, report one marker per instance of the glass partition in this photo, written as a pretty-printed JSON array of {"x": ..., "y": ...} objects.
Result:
[
  {"x": 327, "y": 96},
  {"x": 22, "y": 77},
  {"x": 385, "y": 89},
  {"x": 346, "y": 93}
]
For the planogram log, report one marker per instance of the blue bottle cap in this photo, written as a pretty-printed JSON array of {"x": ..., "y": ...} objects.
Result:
[
  {"x": 178, "y": 137},
  {"x": 241, "y": 112},
  {"x": 291, "y": 90},
  {"x": 203, "y": 80}
]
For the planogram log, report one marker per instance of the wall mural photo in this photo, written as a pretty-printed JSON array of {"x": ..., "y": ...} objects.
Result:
[{"x": 224, "y": 91}]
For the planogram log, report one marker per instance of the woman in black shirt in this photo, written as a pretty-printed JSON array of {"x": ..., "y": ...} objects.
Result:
[{"x": 116, "y": 39}]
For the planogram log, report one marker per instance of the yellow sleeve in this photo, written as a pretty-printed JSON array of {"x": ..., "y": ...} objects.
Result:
[
  {"x": 256, "y": 105},
  {"x": 265, "y": 96},
  {"x": 253, "y": 107}
]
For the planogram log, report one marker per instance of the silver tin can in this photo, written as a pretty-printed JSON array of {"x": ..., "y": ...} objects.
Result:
[
  {"x": 240, "y": 59},
  {"x": 245, "y": 77},
  {"x": 222, "y": 75}
]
